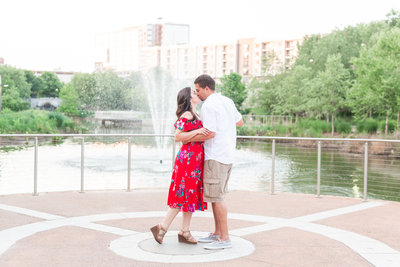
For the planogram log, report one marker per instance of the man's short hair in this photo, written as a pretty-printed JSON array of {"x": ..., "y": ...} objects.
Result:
[{"x": 205, "y": 80}]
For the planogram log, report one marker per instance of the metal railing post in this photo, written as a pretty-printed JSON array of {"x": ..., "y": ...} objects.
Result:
[
  {"x": 319, "y": 170},
  {"x": 273, "y": 168},
  {"x": 35, "y": 168},
  {"x": 82, "y": 164},
  {"x": 129, "y": 165},
  {"x": 173, "y": 153},
  {"x": 365, "y": 171}
]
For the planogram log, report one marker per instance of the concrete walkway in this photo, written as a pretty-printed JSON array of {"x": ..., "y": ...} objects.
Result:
[{"x": 111, "y": 228}]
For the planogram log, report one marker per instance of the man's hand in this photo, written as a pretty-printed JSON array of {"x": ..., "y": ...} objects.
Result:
[{"x": 240, "y": 123}]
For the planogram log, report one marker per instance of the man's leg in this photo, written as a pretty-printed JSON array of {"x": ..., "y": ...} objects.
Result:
[
  {"x": 220, "y": 211},
  {"x": 217, "y": 230}
]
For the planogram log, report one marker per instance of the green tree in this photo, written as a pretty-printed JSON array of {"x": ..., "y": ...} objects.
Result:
[
  {"x": 378, "y": 73},
  {"x": 85, "y": 85},
  {"x": 112, "y": 91},
  {"x": 35, "y": 82},
  {"x": 15, "y": 80},
  {"x": 69, "y": 100},
  {"x": 292, "y": 96},
  {"x": 51, "y": 84},
  {"x": 232, "y": 86},
  {"x": 393, "y": 18},
  {"x": 330, "y": 87},
  {"x": 347, "y": 42},
  {"x": 11, "y": 100}
]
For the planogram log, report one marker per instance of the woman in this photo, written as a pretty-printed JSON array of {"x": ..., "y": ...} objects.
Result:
[{"x": 186, "y": 189}]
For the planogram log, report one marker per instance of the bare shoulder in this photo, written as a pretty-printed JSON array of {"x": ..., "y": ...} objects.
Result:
[{"x": 187, "y": 115}]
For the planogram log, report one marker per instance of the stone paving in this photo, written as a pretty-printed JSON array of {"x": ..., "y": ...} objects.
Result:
[{"x": 111, "y": 228}]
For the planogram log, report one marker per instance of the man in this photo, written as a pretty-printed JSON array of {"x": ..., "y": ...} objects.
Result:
[{"x": 220, "y": 116}]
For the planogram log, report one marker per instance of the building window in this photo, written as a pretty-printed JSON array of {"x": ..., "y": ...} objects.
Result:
[
  {"x": 224, "y": 48},
  {"x": 204, "y": 57},
  {"x": 288, "y": 43},
  {"x": 204, "y": 65},
  {"x": 246, "y": 47},
  {"x": 264, "y": 46},
  {"x": 204, "y": 49}
]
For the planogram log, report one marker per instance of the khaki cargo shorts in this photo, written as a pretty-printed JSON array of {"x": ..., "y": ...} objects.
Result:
[{"x": 215, "y": 180}]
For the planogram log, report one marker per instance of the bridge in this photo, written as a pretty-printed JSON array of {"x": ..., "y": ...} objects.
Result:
[{"x": 118, "y": 118}]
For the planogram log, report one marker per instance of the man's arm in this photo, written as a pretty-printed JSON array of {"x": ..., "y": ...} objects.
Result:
[
  {"x": 186, "y": 137},
  {"x": 240, "y": 123}
]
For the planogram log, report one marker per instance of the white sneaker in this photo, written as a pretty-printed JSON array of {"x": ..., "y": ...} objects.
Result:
[
  {"x": 210, "y": 238},
  {"x": 219, "y": 245}
]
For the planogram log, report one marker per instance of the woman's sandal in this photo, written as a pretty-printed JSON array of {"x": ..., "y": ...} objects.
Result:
[
  {"x": 158, "y": 233},
  {"x": 186, "y": 237}
]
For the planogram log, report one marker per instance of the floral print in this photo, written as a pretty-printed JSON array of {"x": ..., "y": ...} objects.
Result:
[{"x": 186, "y": 189}]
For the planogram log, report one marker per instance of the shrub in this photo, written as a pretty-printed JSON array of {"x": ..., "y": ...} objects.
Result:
[
  {"x": 58, "y": 118},
  {"x": 391, "y": 126},
  {"x": 370, "y": 126},
  {"x": 315, "y": 125},
  {"x": 34, "y": 121},
  {"x": 360, "y": 126},
  {"x": 342, "y": 126}
]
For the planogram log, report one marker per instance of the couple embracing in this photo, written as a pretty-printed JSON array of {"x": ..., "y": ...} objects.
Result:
[{"x": 203, "y": 163}]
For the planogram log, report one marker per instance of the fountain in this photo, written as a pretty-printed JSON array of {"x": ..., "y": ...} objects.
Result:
[{"x": 161, "y": 89}]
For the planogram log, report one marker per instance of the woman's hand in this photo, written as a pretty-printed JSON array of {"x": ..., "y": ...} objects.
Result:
[{"x": 203, "y": 131}]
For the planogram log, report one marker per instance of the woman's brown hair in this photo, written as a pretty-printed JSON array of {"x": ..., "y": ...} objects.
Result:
[{"x": 184, "y": 104}]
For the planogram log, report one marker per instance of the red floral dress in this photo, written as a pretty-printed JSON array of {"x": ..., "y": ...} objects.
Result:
[{"x": 186, "y": 189}]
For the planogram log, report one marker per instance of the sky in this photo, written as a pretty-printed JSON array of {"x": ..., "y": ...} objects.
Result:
[{"x": 59, "y": 34}]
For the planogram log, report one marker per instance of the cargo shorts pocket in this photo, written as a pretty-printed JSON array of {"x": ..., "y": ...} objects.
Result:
[{"x": 212, "y": 188}]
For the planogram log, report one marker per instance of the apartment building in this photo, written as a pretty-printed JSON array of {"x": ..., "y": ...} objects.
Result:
[{"x": 167, "y": 46}]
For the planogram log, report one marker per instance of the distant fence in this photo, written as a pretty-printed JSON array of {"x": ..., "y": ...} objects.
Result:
[{"x": 267, "y": 120}]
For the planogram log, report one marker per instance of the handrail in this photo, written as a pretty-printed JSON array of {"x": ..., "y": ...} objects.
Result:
[
  {"x": 272, "y": 138},
  {"x": 239, "y": 137}
]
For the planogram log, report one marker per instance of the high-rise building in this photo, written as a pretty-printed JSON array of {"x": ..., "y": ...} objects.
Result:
[
  {"x": 122, "y": 50},
  {"x": 167, "y": 46}
]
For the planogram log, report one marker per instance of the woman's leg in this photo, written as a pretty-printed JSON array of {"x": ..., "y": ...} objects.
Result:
[
  {"x": 184, "y": 235},
  {"x": 186, "y": 219},
  {"x": 169, "y": 217}
]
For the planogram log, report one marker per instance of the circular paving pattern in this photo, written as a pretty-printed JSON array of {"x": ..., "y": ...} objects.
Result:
[{"x": 143, "y": 247}]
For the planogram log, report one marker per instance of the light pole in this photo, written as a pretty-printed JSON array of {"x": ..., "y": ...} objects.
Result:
[{"x": 0, "y": 93}]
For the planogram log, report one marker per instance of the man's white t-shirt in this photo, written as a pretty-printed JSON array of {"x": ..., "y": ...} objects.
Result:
[{"x": 219, "y": 114}]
